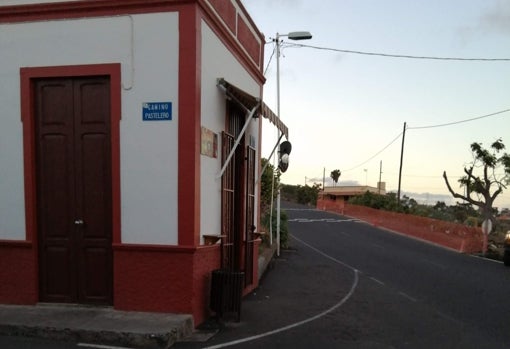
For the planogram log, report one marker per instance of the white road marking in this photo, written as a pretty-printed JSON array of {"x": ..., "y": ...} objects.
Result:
[
  {"x": 324, "y": 254},
  {"x": 100, "y": 346},
  {"x": 448, "y": 317},
  {"x": 376, "y": 280},
  {"x": 313, "y": 318},
  {"x": 486, "y": 259},
  {"x": 405, "y": 295}
]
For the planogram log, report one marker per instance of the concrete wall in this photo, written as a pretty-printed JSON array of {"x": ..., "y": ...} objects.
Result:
[
  {"x": 218, "y": 62},
  {"x": 148, "y": 149}
]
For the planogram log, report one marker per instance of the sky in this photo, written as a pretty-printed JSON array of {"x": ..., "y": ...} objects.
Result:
[{"x": 347, "y": 111}]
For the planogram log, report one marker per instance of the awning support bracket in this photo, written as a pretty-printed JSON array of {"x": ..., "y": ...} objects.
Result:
[
  {"x": 231, "y": 95},
  {"x": 269, "y": 159},
  {"x": 238, "y": 140}
]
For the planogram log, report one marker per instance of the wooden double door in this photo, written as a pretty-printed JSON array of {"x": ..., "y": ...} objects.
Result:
[{"x": 74, "y": 189}]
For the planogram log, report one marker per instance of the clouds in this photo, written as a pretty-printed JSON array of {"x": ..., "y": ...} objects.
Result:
[
  {"x": 497, "y": 18},
  {"x": 341, "y": 109},
  {"x": 493, "y": 22}
]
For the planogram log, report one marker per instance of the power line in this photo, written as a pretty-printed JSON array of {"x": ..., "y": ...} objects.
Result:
[
  {"x": 379, "y": 152},
  {"x": 389, "y": 55},
  {"x": 269, "y": 61},
  {"x": 426, "y": 127},
  {"x": 459, "y": 122}
]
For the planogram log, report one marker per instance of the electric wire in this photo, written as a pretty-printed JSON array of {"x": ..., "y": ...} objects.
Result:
[
  {"x": 459, "y": 122},
  {"x": 269, "y": 61},
  {"x": 379, "y": 152},
  {"x": 426, "y": 127},
  {"x": 389, "y": 55}
]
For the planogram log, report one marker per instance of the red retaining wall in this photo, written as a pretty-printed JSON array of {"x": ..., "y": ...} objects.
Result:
[{"x": 452, "y": 235}]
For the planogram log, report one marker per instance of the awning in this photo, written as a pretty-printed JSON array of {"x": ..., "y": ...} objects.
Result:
[
  {"x": 244, "y": 99},
  {"x": 268, "y": 114},
  {"x": 249, "y": 102}
]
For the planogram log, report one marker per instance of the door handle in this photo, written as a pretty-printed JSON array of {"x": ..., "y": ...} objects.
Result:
[{"x": 79, "y": 222}]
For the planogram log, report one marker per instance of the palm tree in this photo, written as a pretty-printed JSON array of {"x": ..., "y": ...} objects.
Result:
[{"x": 335, "y": 175}]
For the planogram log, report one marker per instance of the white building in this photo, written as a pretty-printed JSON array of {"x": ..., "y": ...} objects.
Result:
[{"x": 116, "y": 118}]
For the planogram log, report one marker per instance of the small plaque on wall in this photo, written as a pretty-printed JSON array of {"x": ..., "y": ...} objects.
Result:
[{"x": 209, "y": 143}]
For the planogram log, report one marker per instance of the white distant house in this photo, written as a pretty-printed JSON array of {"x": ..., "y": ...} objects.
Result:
[{"x": 117, "y": 118}]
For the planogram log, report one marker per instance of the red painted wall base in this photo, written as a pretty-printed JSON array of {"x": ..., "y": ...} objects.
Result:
[
  {"x": 146, "y": 277},
  {"x": 18, "y": 273},
  {"x": 164, "y": 279}
]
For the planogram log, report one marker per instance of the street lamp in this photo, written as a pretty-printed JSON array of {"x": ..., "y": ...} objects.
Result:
[{"x": 299, "y": 35}]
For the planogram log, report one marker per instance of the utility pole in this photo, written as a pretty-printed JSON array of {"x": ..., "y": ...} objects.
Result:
[
  {"x": 323, "y": 178},
  {"x": 401, "y": 161},
  {"x": 293, "y": 36},
  {"x": 380, "y": 174}
]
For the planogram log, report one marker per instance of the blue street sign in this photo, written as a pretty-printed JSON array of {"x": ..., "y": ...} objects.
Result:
[{"x": 157, "y": 111}]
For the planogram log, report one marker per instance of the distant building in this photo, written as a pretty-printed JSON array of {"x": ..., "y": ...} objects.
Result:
[{"x": 336, "y": 197}]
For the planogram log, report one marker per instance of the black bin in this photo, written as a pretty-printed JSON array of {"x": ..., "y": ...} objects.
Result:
[{"x": 226, "y": 292}]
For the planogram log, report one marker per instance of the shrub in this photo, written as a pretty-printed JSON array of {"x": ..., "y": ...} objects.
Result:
[{"x": 284, "y": 230}]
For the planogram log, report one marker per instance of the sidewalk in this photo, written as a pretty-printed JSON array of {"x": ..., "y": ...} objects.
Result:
[
  {"x": 102, "y": 325},
  {"x": 94, "y": 325}
]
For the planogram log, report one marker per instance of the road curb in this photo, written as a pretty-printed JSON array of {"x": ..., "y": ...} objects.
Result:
[
  {"x": 265, "y": 258},
  {"x": 96, "y": 326}
]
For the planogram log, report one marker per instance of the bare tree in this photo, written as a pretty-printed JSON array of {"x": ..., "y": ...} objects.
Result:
[{"x": 485, "y": 178}]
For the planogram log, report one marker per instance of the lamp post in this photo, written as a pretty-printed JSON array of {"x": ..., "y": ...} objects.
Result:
[{"x": 301, "y": 35}]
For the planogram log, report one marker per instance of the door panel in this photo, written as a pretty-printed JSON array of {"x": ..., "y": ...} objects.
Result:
[
  {"x": 55, "y": 177},
  {"x": 59, "y": 281},
  {"x": 74, "y": 189},
  {"x": 93, "y": 283},
  {"x": 94, "y": 187},
  {"x": 55, "y": 184}
]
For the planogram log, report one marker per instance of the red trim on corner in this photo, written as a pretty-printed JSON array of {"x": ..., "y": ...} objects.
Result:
[
  {"x": 189, "y": 126},
  {"x": 227, "y": 12},
  {"x": 155, "y": 248},
  {"x": 16, "y": 243},
  {"x": 27, "y": 118},
  {"x": 229, "y": 40},
  {"x": 81, "y": 9},
  {"x": 102, "y": 8},
  {"x": 247, "y": 39}
]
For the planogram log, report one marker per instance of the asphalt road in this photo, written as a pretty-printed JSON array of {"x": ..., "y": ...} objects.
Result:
[{"x": 346, "y": 284}]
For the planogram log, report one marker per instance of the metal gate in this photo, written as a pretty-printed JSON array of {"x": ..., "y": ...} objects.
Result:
[
  {"x": 229, "y": 252},
  {"x": 250, "y": 212}
]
